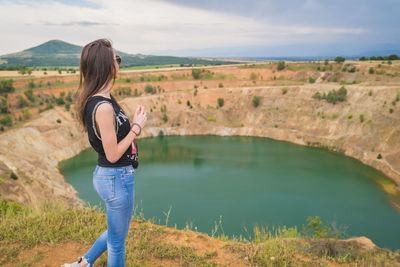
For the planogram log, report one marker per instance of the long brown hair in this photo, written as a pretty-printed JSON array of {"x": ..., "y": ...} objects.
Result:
[{"x": 97, "y": 68}]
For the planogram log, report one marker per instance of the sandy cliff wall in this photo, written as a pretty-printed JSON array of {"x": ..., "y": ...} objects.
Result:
[{"x": 33, "y": 152}]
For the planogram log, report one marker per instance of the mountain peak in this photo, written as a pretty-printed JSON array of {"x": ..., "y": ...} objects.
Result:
[{"x": 55, "y": 47}]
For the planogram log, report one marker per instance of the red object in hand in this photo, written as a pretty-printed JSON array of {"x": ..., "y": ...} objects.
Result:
[
  {"x": 134, "y": 147},
  {"x": 140, "y": 108}
]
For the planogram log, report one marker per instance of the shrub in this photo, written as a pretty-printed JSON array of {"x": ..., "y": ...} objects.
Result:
[
  {"x": 179, "y": 101},
  {"x": 350, "y": 116},
  {"x": 67, "y": 106},
  {"x": 21, "y": 102},
  {"x": 69, "y": 97},
  {"x": 316, "y": 229},
  {"x": 390, "y": 110},
  {"x": 49, "y": 106},
  {"x": 6, "y": 120},
  {"x": 317, "y": 95},
  {"x": 220, "y": 102},
  {"x": 256, "y": 101},
  {"x": 60, "y": 100},
  {"x": 370, "y": 93},
  {"x": 58, "y": 121},
  {"x": 29, "y": 94},
  {"x": 284, "y": 91},
  {"x": 332, "y": 97},
  {"x": 26, "y": 114},
  {"x": 311, "y": 79},
  {"x": 31, "y": 84},
  {"x": 13, "y": 176},
  {"x": 342, "y": 92},
  {"x": 165, "y": 117},
  {"x": 379, "y": 156},
  {"x": 371, "y": 70},
  {"x": 160, "y": 133},
  {"x": 163, "y": 108},
  {"x": 196, "y": 73},
  {"x": 281, "y": 65},
  {"x": 212, "y": 119},
  {"x": 220, "y": 85},
  {"x": 6, "y": 86},
  {"x": 188, "y": 103},
  {"x": 150, "y": 89},
  {"x": 253, "y": 76},
  {"x": 362, "y": 118},
  {"x": 353, "y": 69},
  {"x": 4, "y": 106},
  {"x": 126, "y": 90},
  {"x": 326, "y": 62},
  {"x": 195, "y": 92}
]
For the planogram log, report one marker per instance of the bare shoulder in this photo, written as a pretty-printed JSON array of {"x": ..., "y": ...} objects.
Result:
[{"x": 105, "y": 108}]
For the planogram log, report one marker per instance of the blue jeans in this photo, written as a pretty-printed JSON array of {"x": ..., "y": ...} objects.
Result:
[{"x": 115, "y": 185}]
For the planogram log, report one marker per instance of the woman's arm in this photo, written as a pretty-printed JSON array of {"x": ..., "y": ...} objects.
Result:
[{"x": 105, "y": 120}]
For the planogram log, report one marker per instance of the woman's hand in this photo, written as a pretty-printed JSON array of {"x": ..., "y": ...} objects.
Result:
[{"x": 140, "y": 117}]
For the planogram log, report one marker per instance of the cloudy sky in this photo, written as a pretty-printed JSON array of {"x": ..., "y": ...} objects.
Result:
[{"x": 206, "y": 27}]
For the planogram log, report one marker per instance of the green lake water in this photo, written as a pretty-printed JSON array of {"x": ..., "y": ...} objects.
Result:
[{"x": 249, "y": 181}]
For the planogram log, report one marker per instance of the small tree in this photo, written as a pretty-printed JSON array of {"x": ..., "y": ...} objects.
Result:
[
  {"x": 150, "y": 89},
  {"x": 21, "y": 102},
  {"x": 220, "y": 102},
  {"x": 339, "y": 59},
  {"x": 29, "y": 94},
  {"x": 342, "y": 92},
  {"x": 6, "y": 86},
  {"x": 332, "y": 97},
  {"x": 165, "y": 117},
  {"x": 256, "y": 101},
  {"x": 60, "y": 100},
  {"x": 4, "y": 106},
  {"x": 196, "y": 73},
  {"x": 371, "y": 70},
  {"x": 6, "y": 120},
  {"x": 281, "y": 65},
  {"x": 317, "y": 95}
]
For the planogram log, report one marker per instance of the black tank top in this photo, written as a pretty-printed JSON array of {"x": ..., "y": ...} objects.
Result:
[{"x": 122, "y": 128}]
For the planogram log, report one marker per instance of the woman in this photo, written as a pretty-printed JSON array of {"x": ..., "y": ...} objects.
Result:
[{"x": 113, "y": 138}]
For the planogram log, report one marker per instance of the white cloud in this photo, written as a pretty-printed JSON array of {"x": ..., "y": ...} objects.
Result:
[{"x": 142, "y": 26}]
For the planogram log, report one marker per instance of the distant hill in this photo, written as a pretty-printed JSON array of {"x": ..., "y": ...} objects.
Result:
[{"x": 60, "y": 53}]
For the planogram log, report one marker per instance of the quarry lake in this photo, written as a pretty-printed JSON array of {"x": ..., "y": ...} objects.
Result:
[{"x": 249, "y": 181}]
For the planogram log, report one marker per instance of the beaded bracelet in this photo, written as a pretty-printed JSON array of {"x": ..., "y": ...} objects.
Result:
[{"x": 140, "y": 128}]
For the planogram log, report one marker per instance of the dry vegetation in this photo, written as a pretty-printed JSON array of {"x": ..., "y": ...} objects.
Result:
[{"x": 53, "y": 234}]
